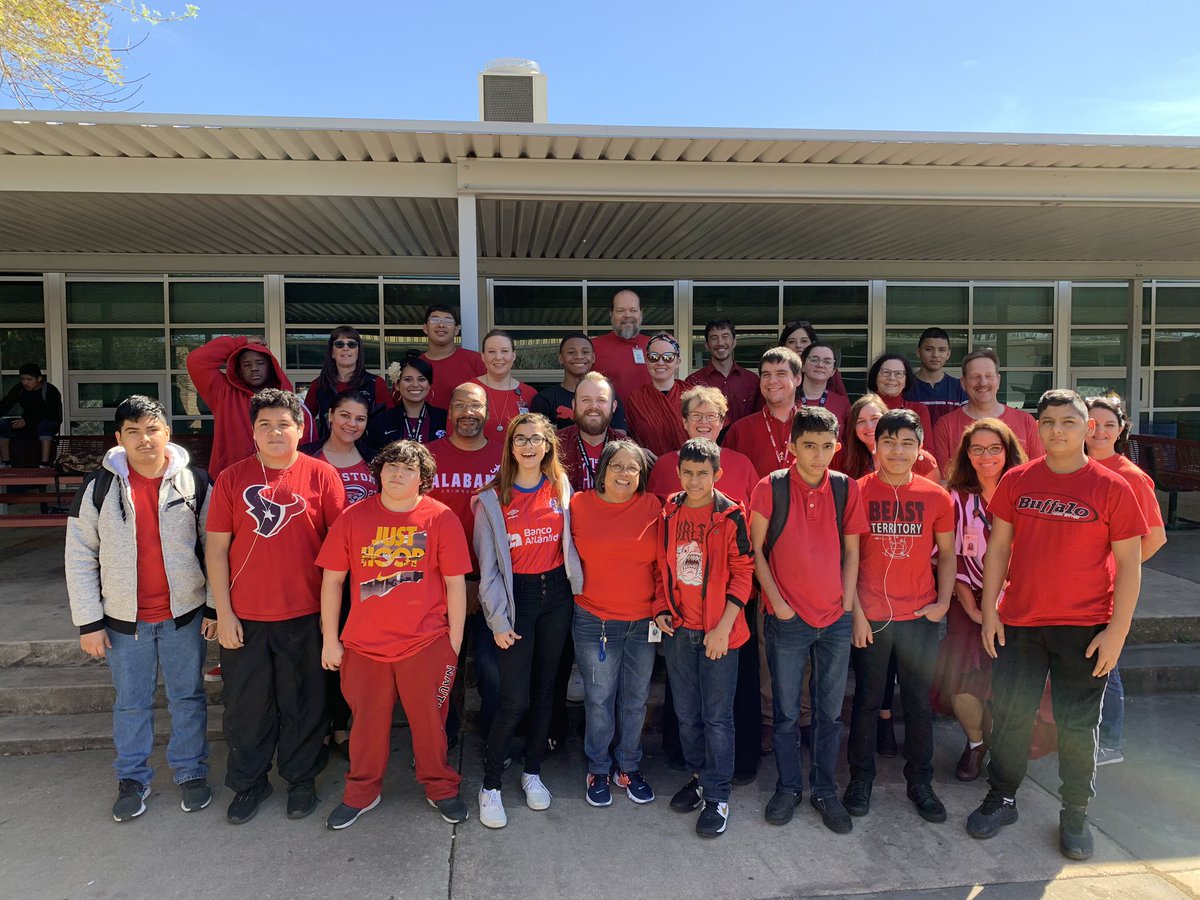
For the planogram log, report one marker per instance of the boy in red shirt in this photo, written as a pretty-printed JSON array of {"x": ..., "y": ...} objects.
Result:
[
  {"x": 898, "y": 609},
  {"x": 408, "y": 556},
  {"x": 808, "y": 606},
  {"x": 1065, "y": 551},
  {"x": 708, "y": 569},
  {"x": 268, "y": 517}
]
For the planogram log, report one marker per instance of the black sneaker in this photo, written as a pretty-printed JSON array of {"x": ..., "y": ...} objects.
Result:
[
  {"x": 688, "y": 797},
  {"x": 885, "y": 738},
  {"x": 857, "y": 797},
  {"x": 833, "y": 814},
  {"x": 929, "y": 807},
  {"x": 781, "y": 806},
  {"x": 994, "y": 813},
  {"x": 196, "y": 795},
  {"x": 344, "y": 816},
  {"x": 1074, "y": 835},
  {"x": 302, "y": 799},
  {"x": 452, "y": 809},
  {"x": 245, "y": 804},
  {"x": 131, "y": 796},
  {"x": 713, "y": 819}
]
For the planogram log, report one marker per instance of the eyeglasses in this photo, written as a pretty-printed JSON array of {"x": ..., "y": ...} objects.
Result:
[
  {"x": 704, "y": 417},
  {"x": 468, "y": 407},
  {"x": 622, "y": 469},
  {"x": 992, "y": 450},
  {"x": 440, "y": 320},
  {"x": 346, "y": 345},
  {"x": 891, "y": 375},
  {"x": 533, "y": 440},
  {"x": 668, "y": 357},
  {"x": 821, "y": 362}
]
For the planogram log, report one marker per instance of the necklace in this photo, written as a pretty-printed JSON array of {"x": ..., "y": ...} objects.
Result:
[{"x": 780, "y": 455}]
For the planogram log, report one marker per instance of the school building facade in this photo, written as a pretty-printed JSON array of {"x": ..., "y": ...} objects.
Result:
[{"x": 127, "y": 239}]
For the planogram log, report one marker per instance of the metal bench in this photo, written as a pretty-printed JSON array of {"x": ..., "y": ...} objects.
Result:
[{"x": 1174, "y": 464}]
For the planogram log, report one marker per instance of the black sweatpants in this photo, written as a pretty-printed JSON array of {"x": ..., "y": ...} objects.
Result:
[{"x": 274, "y": 694}]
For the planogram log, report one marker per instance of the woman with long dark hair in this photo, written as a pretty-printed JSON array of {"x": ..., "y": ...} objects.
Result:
[{"x": 343, "y": 370}]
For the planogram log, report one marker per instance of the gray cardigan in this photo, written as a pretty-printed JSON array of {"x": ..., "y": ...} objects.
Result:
[
  {"x": 495, "y": 562},
  {"x": 101, "y": 547}
]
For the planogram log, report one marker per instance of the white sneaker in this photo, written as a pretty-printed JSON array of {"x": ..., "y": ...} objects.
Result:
[
  {"x": 537, "y": 796},
  {"x": 491, "y": 809},
  {"x": 575, "y": 686}
]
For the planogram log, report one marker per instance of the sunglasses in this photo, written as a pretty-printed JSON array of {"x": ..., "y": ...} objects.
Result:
[
  {"x": 668, "y": 357},
  {"x": 346, "y": 345}
]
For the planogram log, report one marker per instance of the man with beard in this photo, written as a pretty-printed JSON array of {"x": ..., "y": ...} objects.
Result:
[
  {"x": 737, "y": 383},
  {"x": 584, "y": 441},
  {"x": 556, "y": 403},
  {"x": 621, "y": 354}
]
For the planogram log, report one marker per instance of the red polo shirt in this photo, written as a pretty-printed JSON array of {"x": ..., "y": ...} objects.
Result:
[{"x": 622, "y": 361}]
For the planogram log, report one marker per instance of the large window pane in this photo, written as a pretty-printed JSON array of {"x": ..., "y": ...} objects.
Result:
[
  {"x": 1024, "y": 389},
  {"x": 849, "y": 346},
  {"x": 825, "y": 304},
  {"x": 658, "y": 306},
  {"x": 398, "y": 341},
  {"x": 1099, "y": 386},
  {"x": 306, "y": 349},
  {"x": 21, "y": 301},
  {"x": 22, "y": 345},
  {"x": 548, "y": 305},
  {"x": 114, "y": 302},
  {"x": 184, "y": 342},
  {"x": 537, "y": 349},
  {"x": 192, "y": 426},
  {"x": 1176, "y": 388},
  {"x": 1147, "y": 303},
  {"x": 330, "y": 303},
  {"x": 1018, "y": 348},
  {"x": 109, "y": 394},
  {"x": 924, "y": 305},
  {"x": 206, "y": 301},
  {"x": 1178, "y": 305},
  {"x": 742, "y": 304},
  {"x": 116, "y": 348},
  {"x": 92, "y": 426},
  {"x": 1099, "y": 305},
  {"x": 1001, "y": 305},
  {"x": 185, "y": 399},
  {"x": 1099, "y": 348},
  {"x": 1185, "y": 425},
  {"x": 405, "y": 304},
  {"x": 904, "y": 340},
  {"x": 1177, "y": 348}
]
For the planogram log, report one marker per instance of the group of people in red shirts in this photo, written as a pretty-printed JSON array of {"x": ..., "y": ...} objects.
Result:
[{"x": 768, "y": 533}]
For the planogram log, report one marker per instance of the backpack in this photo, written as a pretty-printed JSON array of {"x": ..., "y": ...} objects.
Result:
[
  {"x": 838, "y": 483},
  {"x": 102, "y": 480}
]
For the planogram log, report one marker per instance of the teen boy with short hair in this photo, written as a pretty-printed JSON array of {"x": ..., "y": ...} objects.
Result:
[
  {"x": 407, "y": 555},
  {"x": 898, "y": 608},
  {"x": 932, "y": 386},
  {"x": 1065, "y": 548},
  {"x": 270, "y": 513},
  {"x": 137, "y": 595},
  {"x": 809, "y": 608},
  {"x": 708, "y": 570}
]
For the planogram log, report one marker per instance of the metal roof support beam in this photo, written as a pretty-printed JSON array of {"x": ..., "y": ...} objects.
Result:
[{"x": 468, "y": 270}]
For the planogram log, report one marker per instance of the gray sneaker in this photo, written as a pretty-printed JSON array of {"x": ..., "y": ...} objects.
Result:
[
  {"x": 196, "y": 795},
  {"x": 131, "y": 796},
  {"x": 1107, "y": 756}
]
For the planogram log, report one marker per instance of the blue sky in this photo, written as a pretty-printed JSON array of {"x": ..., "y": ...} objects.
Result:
[{"x": 1068, "y": 67}]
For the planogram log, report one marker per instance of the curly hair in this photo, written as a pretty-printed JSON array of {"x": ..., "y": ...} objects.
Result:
[
  {"x": 961, "y": 475},
  {"x": 274, "y": 398},
  {"x": 405, "y": 453}
]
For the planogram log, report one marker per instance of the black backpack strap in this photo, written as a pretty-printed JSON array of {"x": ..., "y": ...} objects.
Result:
[
  {"x": 779, "y": 510},
  {"x": 840, "y": 485},
  {"x": 101, "y": 480},
  {"x": 202, "y": 482}
]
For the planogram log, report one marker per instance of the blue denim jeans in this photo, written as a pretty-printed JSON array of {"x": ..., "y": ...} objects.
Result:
[
  {"x": 134, "y": 660},
  {"x": 614, "y": 689},
  {"x": 790, "y": 645},
  {"x": 1112, "y": 711},
  {"x": 703, "y": 690}
]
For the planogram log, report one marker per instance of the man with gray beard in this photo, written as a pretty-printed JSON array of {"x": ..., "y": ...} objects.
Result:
[
  {"x": 583, "y": 442},
  {"x": 621, "y": 354}
]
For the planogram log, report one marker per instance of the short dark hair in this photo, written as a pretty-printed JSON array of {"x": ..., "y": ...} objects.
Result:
[
  {"x": 892, "y": 422},
  {"x": 804, "y": 354},
  {"x": 801, "y": 325},
  {"x": 1062, "y": 397},
  {"x": 405, "y": 453},
  {"x": 274, "y": 398},
  {"x": 573, "y": 336},
  {"x": 814, "y": 420},
  {"x": 873, "y": 372},
  {"x": 30, "y": 368},
  {"x": 440, "y": 308},
  {"x": 934, "y": 333},
  {"x": 412, "y": 360},
  {"x": 610, "y": 450},
  {"x": 136, "y": 407},
  {"x": 782, "y": 355},
  {"x": 719, "y": 325},
  {"x": 700, "y": 450},
  {"x": 345, "y": 397}
]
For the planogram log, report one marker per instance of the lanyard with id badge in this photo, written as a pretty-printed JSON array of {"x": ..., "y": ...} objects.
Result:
[{"x": 973, "y": 541}]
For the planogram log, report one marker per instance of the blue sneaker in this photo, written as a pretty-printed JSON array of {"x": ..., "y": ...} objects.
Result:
[
  {"x": 635, "y": 786},
  {"x": 598, "y": 793}
]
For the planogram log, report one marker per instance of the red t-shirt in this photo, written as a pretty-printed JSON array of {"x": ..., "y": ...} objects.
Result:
[
  {"x": 504, "y": 406},
  {"x": 277, "y": 527},
  {"x": 458, "y": 368},
  {"x": 153, "y": 590},
  {"x": 763, "y": 439},
  {"x": 622, "y": 361},
  {"x": 894, "y": 576},
  {"x": 461, "y": 474},
  {"x": 534, "y": 522},
  {"x": 737, "y": 482},
  {"x": 618, "y": 546},
  {"x": 357, "y": 480},
  {"x": 1061, "y": 570},
  {"x": 398, "y": 563},
  {"x": 806, "y": 561},
  {"x": 1142, "y": 484},
  {"x": 690, "y": 530}
]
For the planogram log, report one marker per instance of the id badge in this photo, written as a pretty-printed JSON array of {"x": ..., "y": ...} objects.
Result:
[
  {"x": 970, "y": 544},
  {"x": 522, "y": 410},
  {"x": 655, "y": 634},
  {"x": 638, "y": 356}
]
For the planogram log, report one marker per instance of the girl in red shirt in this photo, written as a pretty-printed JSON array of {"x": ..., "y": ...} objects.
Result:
[{"x": 507, "y": 397}]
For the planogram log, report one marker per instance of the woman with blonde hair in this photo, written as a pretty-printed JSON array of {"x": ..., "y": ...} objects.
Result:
[{"x": 529, "y": 574}]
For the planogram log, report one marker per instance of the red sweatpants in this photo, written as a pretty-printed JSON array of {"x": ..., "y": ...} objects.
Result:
[{"x": 423, "y": 683}]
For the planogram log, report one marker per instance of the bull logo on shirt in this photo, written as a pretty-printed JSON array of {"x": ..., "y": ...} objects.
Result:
[
  {"x": 1055, "y": 509},
  {"x": 270, "y": 516}
]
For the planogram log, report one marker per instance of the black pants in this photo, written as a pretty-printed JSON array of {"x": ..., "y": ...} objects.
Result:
[
  {"x": 915, "y": 643},
  {"x": 528, "y": 669},
  {"x": 274, "y": 694},
  {"x": 1018, "y": 679}
]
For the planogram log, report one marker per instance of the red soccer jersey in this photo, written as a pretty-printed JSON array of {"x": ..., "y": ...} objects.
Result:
[
  {"x": 534, "y": 522},
  {"x": 153, "y": 590},
  {"x": 618, "y": 546},
  {"x": 690, "y": 530},
  {"x": 458, "y": 368},
  {"x": 1061, "y": 570},
  {"x": 397, "y": 564},
  {"x": 812, "y": 588},
  {"x": 277, "y": 526},
  {"x": 894, "y": 576},
  {"x": 503, "y": 406},
  {"x": 763, "y": 439},
  {"x": 737, "y": 482},
  {"x": 622, "y": 361},
  {"x": 357, "y": 480},
  {"x": 461, "y": 474},
  {"x": 1142, "y": 484}
]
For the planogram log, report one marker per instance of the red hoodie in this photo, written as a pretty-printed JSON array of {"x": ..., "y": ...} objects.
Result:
[
  {"x": 728, "y": 566},
  {"x": 229, "y": 398}
]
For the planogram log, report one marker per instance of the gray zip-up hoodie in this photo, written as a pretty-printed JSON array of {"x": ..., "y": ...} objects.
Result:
[
  {"x": 495, "y": 562},
  {"x": 101, "y": 548}
]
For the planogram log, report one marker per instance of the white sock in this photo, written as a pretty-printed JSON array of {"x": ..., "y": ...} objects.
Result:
[{"x": 974, "y": 744}]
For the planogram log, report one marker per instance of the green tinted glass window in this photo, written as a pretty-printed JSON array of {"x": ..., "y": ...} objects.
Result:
[
  {"x": 1017, "y": 305},
  {"x": 1018, "y": 348},
  {"x": 1179, "y": 347},
  {"x": 1178, "y": 305},
  {"x": 185, "y": 399},
  {"x": 331, "y": 303},
  {"x": 926, "y": 304},
  {"x": 904, "y": 340},
  {"x": 1024, "y": 389},
  {"x": 405, "y": 303},
  {"x": 1099, "y": 348},
  {"x": 109, "y": 394},
  {"x": 1177, "y": 388},
  {"x": 21, "y": 301},
  {"x": 825, "y": 304},
  {"x": 548, "y": 305},
  {"x": 116, "y": 348},
  {"x": 537, "y": 349},
  {"x": 849, "y": 345},
  {"x": 658, "y": 306},
  {"x": 1099, "y": 305},
  {"x": 306, "y": 350},
  {"x": 742, "y": 304},
  {"x": 184, "y": 342},
  {"x": 192, "y": 426},
  {"x": 22, "y": 345},
  {"x": 114, "y": 302},
  {"x": 1147, "y": 304},
  {"x": 226, "y": 301},
  {"x": 1098, "y": 386}
]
